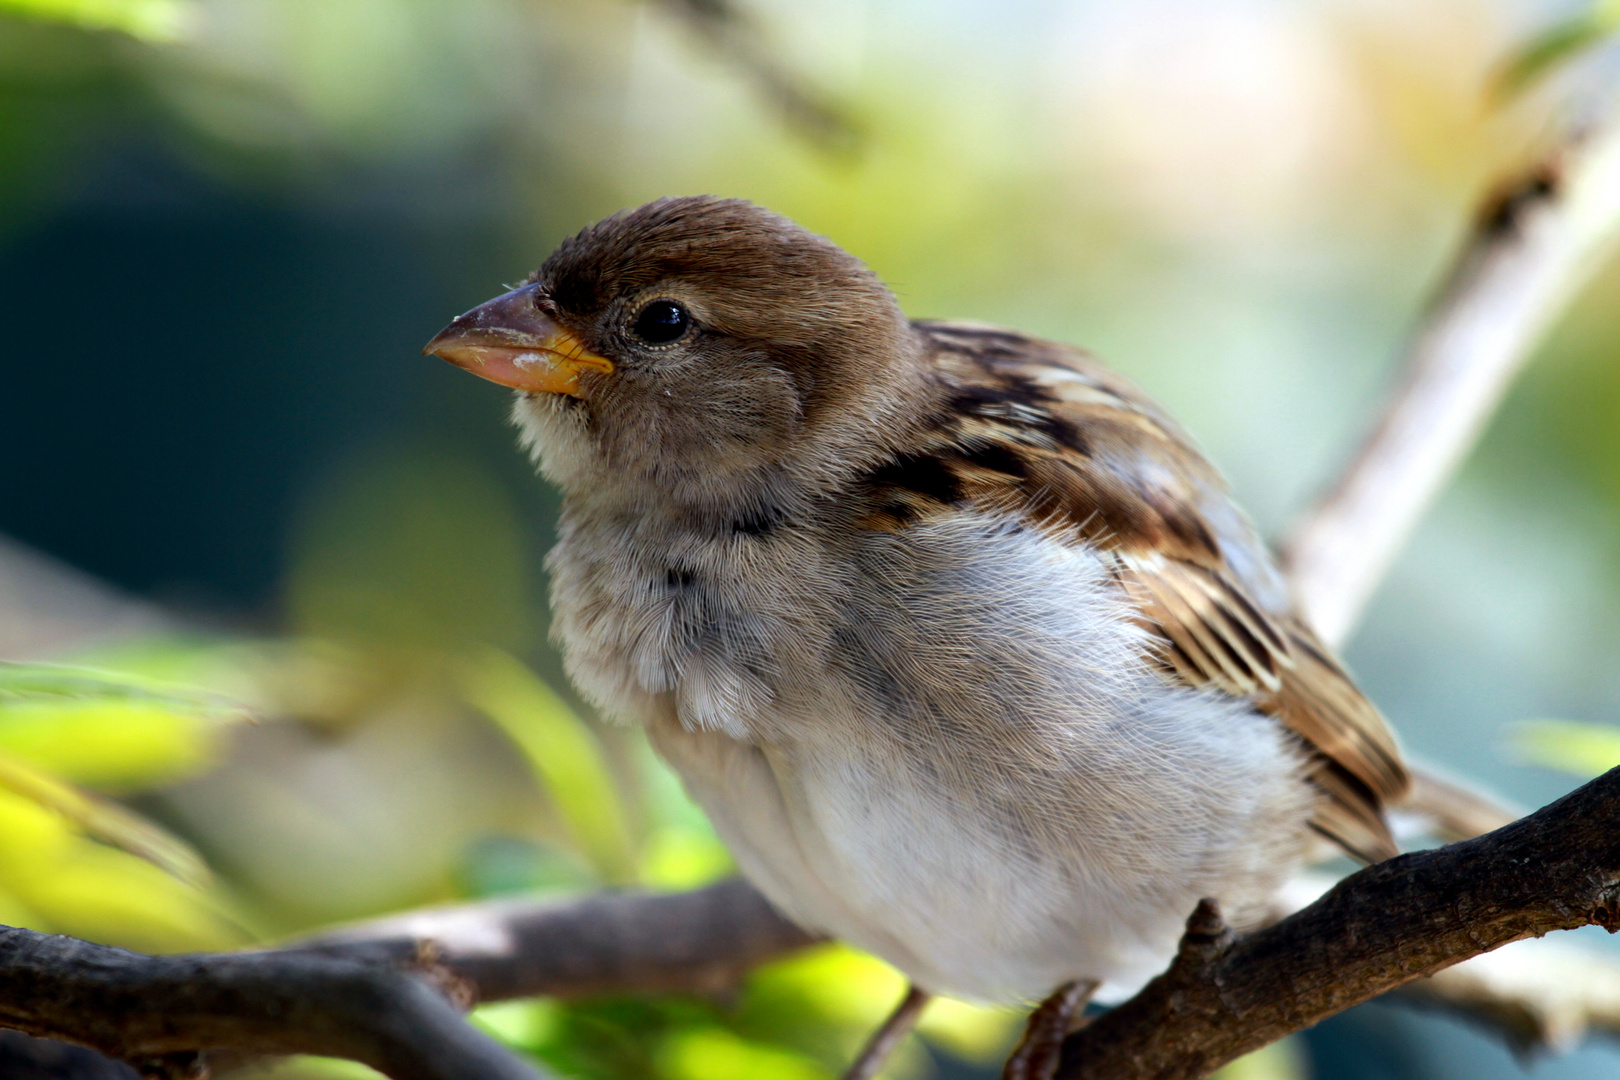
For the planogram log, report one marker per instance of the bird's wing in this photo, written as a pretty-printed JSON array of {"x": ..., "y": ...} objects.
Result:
[{"x": 1043, "y": 431}]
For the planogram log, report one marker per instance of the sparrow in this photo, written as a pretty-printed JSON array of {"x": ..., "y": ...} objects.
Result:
[{"x": 957, "y": 638}]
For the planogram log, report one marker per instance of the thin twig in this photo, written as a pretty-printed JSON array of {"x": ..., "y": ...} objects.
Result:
[
  {"x": 1535, "y": 242},
  {"x": 1545, "y": 995},
  {"x": 885, "y": 1039},
  {"x": 738, "y": 39}
]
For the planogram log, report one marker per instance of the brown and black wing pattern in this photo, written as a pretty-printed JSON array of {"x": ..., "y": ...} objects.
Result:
[{"x": 1043, "y": 431}]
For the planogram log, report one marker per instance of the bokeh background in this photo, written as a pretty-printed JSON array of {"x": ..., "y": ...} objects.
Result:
[{"x": 228, "y": 226}]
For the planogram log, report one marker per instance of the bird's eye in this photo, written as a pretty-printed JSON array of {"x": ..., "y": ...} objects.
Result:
[{"x": 661, "y": 322}]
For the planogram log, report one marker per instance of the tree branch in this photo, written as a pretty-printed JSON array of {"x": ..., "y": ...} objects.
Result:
[
  {"x": 1226, "y": 995},
  {"x": 700, "y": 942},
  {"x": 1534, "y": 244},
  {"x": 1539, "y": 995},
  {"x": 738, "y": 39},
  {"x": 160, "y": 1012}
]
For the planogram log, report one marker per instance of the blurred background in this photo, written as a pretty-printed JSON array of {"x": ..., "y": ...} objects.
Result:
[{"x": 228, "y": 226}]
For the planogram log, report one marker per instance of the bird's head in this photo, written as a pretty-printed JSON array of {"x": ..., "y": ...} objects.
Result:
[{"x": 704, "y": 346}]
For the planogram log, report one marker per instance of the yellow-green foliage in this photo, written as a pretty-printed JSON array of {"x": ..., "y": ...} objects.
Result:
[
  {"x": 1583, "y": 749},
  {"x": 78, "y": 863},
  {"x": 148, "y": 20}
]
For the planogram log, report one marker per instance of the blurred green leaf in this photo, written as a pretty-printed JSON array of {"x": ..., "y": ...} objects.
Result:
[
  {"x": 13, "y": 912},
  {"x": 75, "y": 885},
  {"x": 319, "y": 679},
  {"x": 528, "y": 1024},
  {"x": 148, "y": 20},
  {"x": 109, "y": 729},
  {"x": 110, "y": 745},
  {"x": 508, "y": 865},
  {"x": 106, "y": 821},
  {"x": 606, "y": 1038},
  {"x": 563, "y": 753},
  {"x": 78, "y": 863},
  {"x": 1553, "y": 46},
  {"x": 681, "y": 850},
  {"x": 717, "y": 1054},
  {"x": 983, "y": 1034},
  {"x": 682, "y": 857},
  {"x": 1583, "y": 749},
  {"x": 1279, "y": 1061},
  {"x": 834, "y": 981},
  {"x": 19, "y": 681},
  {"x": 309, "y": 1067},
  {"x": 828, "y": 1000},
  {"x": 666, "y": 801}
]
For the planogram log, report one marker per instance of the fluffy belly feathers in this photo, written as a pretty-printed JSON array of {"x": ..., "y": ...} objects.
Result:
[{"x": 977, "y": 775}]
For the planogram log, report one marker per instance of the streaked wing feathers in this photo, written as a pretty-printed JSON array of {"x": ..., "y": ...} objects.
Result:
[{"x": 1042, "y": 430}]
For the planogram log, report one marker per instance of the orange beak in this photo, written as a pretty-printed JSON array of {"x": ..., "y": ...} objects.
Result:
[{"x": 510, "y": 341}]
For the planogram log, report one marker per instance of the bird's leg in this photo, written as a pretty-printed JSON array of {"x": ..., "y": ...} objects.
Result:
[
  {"x": 886, "y": 1038},
  {"x": 1036, "y": 1056}
]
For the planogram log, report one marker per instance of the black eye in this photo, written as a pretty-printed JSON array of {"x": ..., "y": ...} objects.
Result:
[{"x": 661, "y": 322}]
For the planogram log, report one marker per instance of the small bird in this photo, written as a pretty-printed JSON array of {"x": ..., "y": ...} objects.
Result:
[{"x": 956, "y": 637}]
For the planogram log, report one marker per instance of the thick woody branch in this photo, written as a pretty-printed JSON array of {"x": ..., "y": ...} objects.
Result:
[
  {"x": 1535, "y": 242},
  {"x": 700, "y": 942},
  {"x": 1412, "y": 916},
  {"x": 162, "y": 1013}
]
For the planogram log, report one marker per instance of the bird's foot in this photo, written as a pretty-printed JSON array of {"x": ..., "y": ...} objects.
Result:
[{"x": 1037, "y": 1054}]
